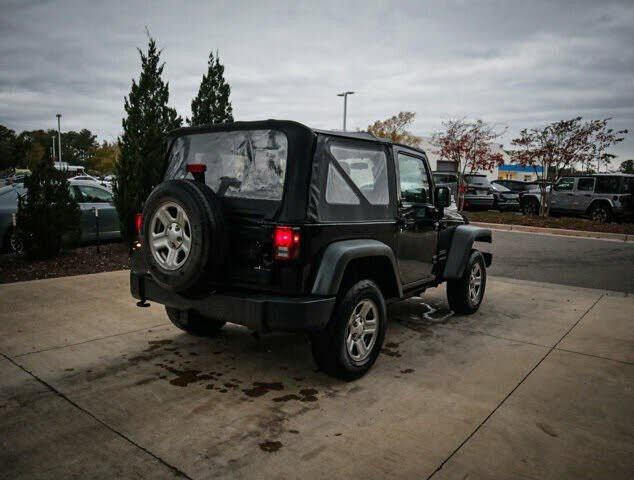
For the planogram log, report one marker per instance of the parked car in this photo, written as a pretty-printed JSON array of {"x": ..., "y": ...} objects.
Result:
[
  {"x": 516, "y": 186},
  {"x": 90, "y": 178},
  {"x": 504, "y": 198},
  {"x": 478, "y": 193},
  {"x": 236, "y": 233},
  {"x": 89, "y": 196},
  {"x": 602, "y": 197}
]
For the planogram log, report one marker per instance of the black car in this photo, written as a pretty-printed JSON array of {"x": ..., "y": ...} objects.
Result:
[
  {"x": 276, "y": 226},
  {"x": 478, "y": 193}
]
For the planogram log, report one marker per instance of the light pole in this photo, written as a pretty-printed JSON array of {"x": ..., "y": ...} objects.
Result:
[
  {"x": 345, "y": 106},
  {"x": 59, "y": 140}
]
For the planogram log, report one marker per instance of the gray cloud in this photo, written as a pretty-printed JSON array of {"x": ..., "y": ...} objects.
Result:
[{"x": 520, "y": 64}]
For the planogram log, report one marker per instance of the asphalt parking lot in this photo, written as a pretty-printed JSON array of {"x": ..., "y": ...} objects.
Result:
[{"x": 538, "y": 384}]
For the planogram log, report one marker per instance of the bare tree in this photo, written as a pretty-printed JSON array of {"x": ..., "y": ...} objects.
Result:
[
  {"x": 471, "y": 146},
  {"x": 395, "y": 128},
  {"x": 603, "y": 138}
]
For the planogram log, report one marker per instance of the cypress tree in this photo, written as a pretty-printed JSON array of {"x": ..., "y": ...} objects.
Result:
[
  {"x": 212, "y": 104},
  {"x": 141, "y": 163}
]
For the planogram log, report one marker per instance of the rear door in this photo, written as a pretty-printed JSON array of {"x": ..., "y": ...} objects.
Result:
[
  {"x": 417, "y": 233},
  {"x": 583, "y": 193}
]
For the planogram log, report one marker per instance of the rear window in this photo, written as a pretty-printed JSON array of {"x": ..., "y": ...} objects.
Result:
[
  {"x": 607, "y": 185},
  {"x": 479, "y": 180},
  {"x": 439, "y": 178},
  {"x": 242, "y": 164}
]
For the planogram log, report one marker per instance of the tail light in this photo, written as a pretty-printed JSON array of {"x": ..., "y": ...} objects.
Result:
[
  {"x": 286, "y": 241},
  {"x": 138, "y": 223}
]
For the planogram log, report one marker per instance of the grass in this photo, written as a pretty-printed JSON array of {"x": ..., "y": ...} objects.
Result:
[{"x": 570, "y": 223}]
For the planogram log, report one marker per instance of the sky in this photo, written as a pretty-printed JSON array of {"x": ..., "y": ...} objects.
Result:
[{"x": 514, "y": 64}]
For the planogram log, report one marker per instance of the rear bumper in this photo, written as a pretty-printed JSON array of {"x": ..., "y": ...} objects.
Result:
[
  {"x": 485, "y": 201},
  {"x": 259, "y": 312}
]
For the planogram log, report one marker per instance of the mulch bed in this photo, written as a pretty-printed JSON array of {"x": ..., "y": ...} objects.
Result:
[
  {"x": 111, "y": 256},
  {"x": 571, "y": 223}
]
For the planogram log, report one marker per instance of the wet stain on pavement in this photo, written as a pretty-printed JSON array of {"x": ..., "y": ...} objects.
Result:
[
  {"x": 262, "y": 388},
  {"x": 270, "y": 446},
  {"x": 305, "y": 395},
  {"x": 408, "y": 370}
]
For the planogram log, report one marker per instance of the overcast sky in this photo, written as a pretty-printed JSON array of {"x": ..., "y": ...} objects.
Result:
[{"x": 517, "y": 64}]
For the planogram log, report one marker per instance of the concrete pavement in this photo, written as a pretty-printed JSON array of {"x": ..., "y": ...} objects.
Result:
[{"x": 537, "y": 384}]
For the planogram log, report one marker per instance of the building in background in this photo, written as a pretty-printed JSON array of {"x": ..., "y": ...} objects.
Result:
[{"x": 519, "y": 172}]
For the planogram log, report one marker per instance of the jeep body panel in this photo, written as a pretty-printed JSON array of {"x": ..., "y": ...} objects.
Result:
[
  {"x": 338, "y": 256},
  {"x": 461, "y": 245}
]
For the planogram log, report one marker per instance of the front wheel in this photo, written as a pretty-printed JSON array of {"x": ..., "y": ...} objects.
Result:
[
  {"x": 194, "y": 323},
  {"x": 351, "y": 343},
  {"x": 465, "y": 294}
]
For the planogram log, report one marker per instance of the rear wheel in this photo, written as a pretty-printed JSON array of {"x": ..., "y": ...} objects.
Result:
[
  {"x": 465, "y": 294},
  {"x": 350, "y": 345},
  {"x": 194, "y": 323},
  {"x": 600, "y": 213}
]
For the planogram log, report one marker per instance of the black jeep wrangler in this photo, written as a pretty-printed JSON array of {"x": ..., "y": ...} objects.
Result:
[{"x": 277, "y": 226}]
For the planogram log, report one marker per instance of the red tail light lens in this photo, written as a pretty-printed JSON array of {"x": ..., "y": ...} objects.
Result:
[
  {"x": 196, "y": 168},
  {"x": 138, "y": 223},
  {"x": 286, "y": 241}
]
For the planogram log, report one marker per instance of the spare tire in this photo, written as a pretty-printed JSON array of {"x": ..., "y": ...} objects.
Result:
[{"x": 184, "y": 234}]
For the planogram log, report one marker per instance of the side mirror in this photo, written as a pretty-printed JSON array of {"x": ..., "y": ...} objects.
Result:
[{"x": 443, "y": 197}]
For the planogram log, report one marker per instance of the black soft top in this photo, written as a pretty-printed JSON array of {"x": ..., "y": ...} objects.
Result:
[
  {"x": 302, "y": 143},
  {"x": 286, "y": 126}
]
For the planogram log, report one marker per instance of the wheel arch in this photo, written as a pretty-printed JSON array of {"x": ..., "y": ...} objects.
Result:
[
  {"x": 355, "y": 259},
  {"x": 461, "y": 248},
  {"x": 599, "y": 201}
]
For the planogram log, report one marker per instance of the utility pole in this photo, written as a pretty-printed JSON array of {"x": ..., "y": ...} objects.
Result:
[
  {"x": 59, "y": 140},
  {"x": 53, "y": 138},
  {"x": 345, "y": 106}
]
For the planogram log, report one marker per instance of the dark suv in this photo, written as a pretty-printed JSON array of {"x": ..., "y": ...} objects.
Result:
[{"x": 277, "y": 226}]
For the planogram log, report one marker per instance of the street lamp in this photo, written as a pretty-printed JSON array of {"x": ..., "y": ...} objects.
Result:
[
  {"x": 345, "y": 106},
  {"x": 59, "y": 140}
]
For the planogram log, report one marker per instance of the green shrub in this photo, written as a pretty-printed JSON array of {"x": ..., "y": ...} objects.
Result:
[{"x": 48, "y": 216}]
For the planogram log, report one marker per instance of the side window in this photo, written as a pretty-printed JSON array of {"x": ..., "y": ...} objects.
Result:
[
  {"x": 607, "y": 185},
  {"x": 413, "y": 178},
  {"x": 565, "y": 184},
  {"x": 94, "y": 194},
  {"x": 585, "y": 184},
  {"x": 366, "y": 168}
]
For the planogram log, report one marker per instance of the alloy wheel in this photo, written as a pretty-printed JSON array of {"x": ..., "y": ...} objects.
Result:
[
  {"x": 362, "y": 330},
  {"x": 170, "y": 236},
  {"x": 475, "y": 284}
]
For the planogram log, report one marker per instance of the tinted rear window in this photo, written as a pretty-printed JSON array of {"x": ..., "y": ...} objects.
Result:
[
  {"x": 477, "y": 180},
  {"x": 243, "y": 163},
  {"x": 607, "y": 185}
]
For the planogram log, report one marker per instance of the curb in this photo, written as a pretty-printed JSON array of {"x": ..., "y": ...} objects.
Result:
[{"x": 557, "y": 231}]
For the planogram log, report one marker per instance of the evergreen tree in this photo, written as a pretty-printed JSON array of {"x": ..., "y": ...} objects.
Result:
[
  {"x": 48, "y": 216},
  {"x": 212, "y": 104},
  {"x": 142, "y": 161}
]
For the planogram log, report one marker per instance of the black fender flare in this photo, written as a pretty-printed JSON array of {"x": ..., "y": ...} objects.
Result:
[
  {"x": 461, "y": 245},
  {"x": 339, "y": 254}
]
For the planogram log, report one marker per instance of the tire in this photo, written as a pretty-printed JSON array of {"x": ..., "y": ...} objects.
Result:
[
  {"x": 184, "y": 234},
  {"x": 601, "y": 213},
  {"x": 194, "y": 323},
  {"x": 530, "y": 206},
  {"x": 459, "y": 290},
  {"x": 12, "y": 243},
  {"x": 330, "y": 347}
]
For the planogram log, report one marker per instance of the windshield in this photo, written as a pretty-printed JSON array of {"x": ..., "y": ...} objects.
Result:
[
  {"x": 477, "y": 180},
  {"x": 242, "y": 163},
  {"x": 499, "y": 188}
]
